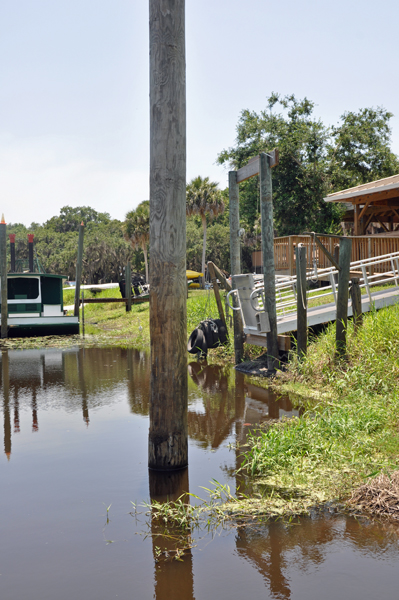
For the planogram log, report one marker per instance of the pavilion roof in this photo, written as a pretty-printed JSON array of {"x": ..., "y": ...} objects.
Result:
[{"x": 379, "y": 190}]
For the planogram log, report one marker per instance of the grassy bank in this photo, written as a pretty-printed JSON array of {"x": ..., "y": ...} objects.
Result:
[{"x": 348, "y": 430}]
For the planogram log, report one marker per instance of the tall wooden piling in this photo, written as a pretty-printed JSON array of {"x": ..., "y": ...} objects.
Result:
[
  {"x": 79, "y": 269},
  {"x": 235, "y": 261},
  {"x": 3, "y": 277},
  {"x": 345, "y": 250},
  {"x": 302, "y": 322},
  {"x": 266, "y": 204},
  {"x": 167, "y": 443}
]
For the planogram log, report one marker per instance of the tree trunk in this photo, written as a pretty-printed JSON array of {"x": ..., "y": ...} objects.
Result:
[
  {"x": 144, "y": 246},
  {"x": 203, "y": 218},
  {"x": 167, "y": 442}
]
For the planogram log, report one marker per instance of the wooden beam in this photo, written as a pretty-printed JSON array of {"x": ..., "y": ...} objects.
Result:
[
  {"x": 252, "y": 166},
  {"x": 211, "y": 271},
  {"x": 365, "y": 208},
  {"x": 326, "y": 252},
  {"x": 381, "y": 223},
  {"x": 249, "y": 170}
]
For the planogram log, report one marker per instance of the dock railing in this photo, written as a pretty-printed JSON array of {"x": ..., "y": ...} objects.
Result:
[
  {"x": 370, "y": 272},
  {"x": 363, "y": 248}
]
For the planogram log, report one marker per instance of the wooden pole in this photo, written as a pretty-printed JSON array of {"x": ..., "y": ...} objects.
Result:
[
  {"x": 79, "y": 269},
  {"x": 12, "y": 252},
  {"x": 168, "y": 434},
  {"x": 266, "y": 204},
  {"x": 345, "y": 249},
  {"x": 211, "y": 271},
  {"x": 30, "y": 252},
  {"x": 128, "y": 287},
  {"x": 83, "y": 313},
  {"x": 235, "y": 262},
  {"x": 356, "y": 297},
  {"x": 302, "y": 322},
  {"x": 3, "y": 278}
]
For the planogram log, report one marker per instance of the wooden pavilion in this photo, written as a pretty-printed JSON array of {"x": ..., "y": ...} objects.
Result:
[{"x": 372, "y": 206}]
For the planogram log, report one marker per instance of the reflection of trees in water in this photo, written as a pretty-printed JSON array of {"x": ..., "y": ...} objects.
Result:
[{"x": 275, "y": 548}]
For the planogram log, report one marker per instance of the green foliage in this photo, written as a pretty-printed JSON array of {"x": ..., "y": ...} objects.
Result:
[
  {"x": 314, "y": 161},
  {"x": 105, "y": 250},
  {"x": 203, "y": 199}
]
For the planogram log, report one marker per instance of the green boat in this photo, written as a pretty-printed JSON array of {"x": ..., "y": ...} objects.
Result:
[{"x": 35, "y": 305}]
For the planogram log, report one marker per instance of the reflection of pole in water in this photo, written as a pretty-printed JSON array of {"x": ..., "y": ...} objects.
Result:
[
  {"x": 16, "y": 411},
  {"x": 83, "y": 389},
  {"x": 249, "y": 544},
  {"x": 173, "y": 578},
  {"x": 6, "y": 404},
  {"x": 35, "y": 423}
]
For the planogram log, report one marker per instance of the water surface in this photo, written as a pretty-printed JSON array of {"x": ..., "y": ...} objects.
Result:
[{"x": 75, "y": 443}]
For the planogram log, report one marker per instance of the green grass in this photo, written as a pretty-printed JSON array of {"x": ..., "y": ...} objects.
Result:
[{"x": 349, "y": 433}]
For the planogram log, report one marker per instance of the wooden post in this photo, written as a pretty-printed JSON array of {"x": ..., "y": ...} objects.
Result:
[
  {"x": 235, "y": 261},
  {"x": 168, "y": 433},
  {"x": 345, "y": 249},
  {"x": 211, "y": 271},
  {"x": 128, "y": 287},
  {"x": 79, "y": 269},
  {"x": 356, "y": 297},
  {"x": 302, "y": 322},
  {"x": 290, "y": 251},
  {"x": 30, "y": 252},
  {"x": 12, "y": 252},
  {"x": 356, "y": 212},
  {"x": 266, "y": 203},
  {"x": 83, "y": 313},
  {"x": 3, "y": 277}
]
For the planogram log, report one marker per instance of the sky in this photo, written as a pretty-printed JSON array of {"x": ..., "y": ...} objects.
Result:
[{"x": 74, "y": 88}]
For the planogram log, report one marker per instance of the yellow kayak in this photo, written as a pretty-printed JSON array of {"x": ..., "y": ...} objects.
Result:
[{"x": 193, "y": 274}]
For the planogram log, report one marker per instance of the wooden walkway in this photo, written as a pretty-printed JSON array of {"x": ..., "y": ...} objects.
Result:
[{"x": 251, "y": 301}]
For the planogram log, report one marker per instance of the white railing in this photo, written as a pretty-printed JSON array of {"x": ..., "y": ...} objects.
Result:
[{"x": 286, "y": 285}]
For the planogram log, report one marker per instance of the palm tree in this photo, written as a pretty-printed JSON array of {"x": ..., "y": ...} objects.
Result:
[
  {"x": 136, "y": 229},
  {"x": 203, "y": 198}
]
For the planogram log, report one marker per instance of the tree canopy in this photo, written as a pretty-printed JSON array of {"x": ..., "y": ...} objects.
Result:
[{"x": 314, "y": 160}]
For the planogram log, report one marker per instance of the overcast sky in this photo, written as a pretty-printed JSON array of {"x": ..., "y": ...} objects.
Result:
[{"x": 74, "y": 95}]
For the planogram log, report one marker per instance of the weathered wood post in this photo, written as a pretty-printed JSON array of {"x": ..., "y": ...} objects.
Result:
[
  {"x": 345, "y": 250},
  {"x": 79, "y": 269},
  {"x": 235, "y": 262},
  {"x": 167, "y": 442},
  {"x": 12, "y": 252},
  {"x": 356, "y": 297},
  {"x": 3, "y": 277},
  {"x": 211, "y": 271},
  {"x": 31, "y": 237},
  {"x": 302, "y": 322},
  {"x": 266, "y": 204},
  {"x": 128, "y": 287}
]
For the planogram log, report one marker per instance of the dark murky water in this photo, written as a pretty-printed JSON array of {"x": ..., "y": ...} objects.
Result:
[{"x": 75, "y": 442}]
